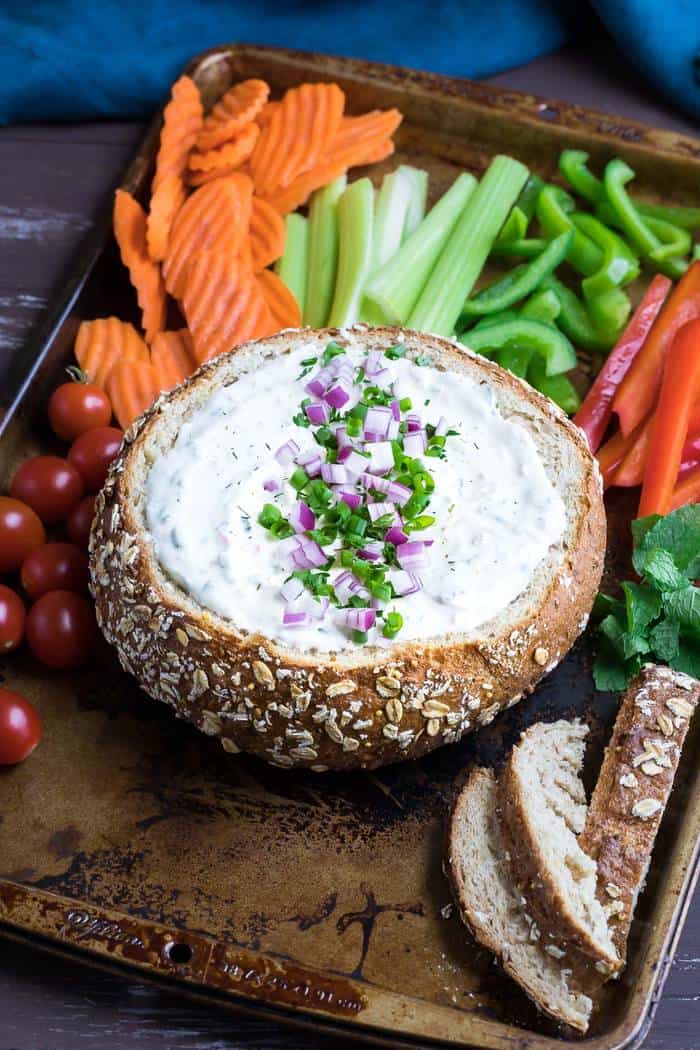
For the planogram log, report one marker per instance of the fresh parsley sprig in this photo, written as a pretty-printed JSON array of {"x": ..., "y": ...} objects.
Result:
[{"x": 659, "y": 616}]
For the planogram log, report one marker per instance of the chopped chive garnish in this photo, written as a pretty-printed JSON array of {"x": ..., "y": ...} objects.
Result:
[
  {"x": 332, "y": 350},
  {"x": 360, "y": 637},
  {"x": 393, "y": 622},
  {"x": 299, "y": 479},
  {"x": 395, "y": 352}
]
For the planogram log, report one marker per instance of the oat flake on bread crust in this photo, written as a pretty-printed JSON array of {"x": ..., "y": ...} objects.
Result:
[{"x": 357, "y": 708}]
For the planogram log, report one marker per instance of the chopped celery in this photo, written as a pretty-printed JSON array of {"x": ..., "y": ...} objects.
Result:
[
  {"x": 396, "y": 287},
  {"x": 391, "y": 213},
  {"x": 355, "y": 222},
  {"x": 323, "y": 252},
  {"x": 463, "y": 257},
  {"x": 417, "y": 201},
  {"x": 293, "y": 266}
]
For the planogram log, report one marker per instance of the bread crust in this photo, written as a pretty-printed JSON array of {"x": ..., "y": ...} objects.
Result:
[
  {"x": 632, "y": 791},
  {"x": 348, "y": 710}
]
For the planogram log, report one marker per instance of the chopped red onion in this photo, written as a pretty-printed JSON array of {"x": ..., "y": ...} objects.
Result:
[
  {"x": 412, "y": 555},
  {"x": 334, "y": 473},
  {"x": 292, "y": 589},
  {"x": 287, "y": 545},
  {"x": 353, "y": 462},
  {"x": 372, "y": 550},
  {"x": 395, "y": 534},
  {"x": 338, "y": 393},
  {"x": 377, "y": 420},
  {"x": 442, "y": 427},
  {"x": 398, "y": 493},
  {"x": 381, "y": 457},
  {"x": 341, "y": 436},
  {"x": 426, "y": 536},
  {"x": 378, "y": 510},
  {"x": 349, "y": 496},
  {"x": 317, "y": 384},
  {"x": 346, "y": 586},
  {"x": 290, "y": 618},
  {"x": 415, "y": 443},
  {"x": 374, "y": 363},
  {"x": 413, "y": 422},
  {"x": 378, "y": 484},
  {"x": 315, "y": 607},
  {"x": 308, "y": 555},
  {"x": 301, "y": 517},
  {"x": 357, "y": 619},
  {"x": 271, "y": 485},
  {"x": 393, "y": 430},
  {"x": 285, "y": 453},
  {"x": 318, "y": 413},
  {"x": 404, "y": 582},
  {"x": 311, "y": 462},
  {"x": 395, "y": 410}
]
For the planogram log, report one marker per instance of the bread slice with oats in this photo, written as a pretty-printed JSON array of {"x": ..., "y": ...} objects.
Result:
[{"x": 356, "y": 706}]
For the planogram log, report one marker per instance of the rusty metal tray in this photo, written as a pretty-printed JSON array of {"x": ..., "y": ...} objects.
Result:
[{"x": 130, "y": 840}]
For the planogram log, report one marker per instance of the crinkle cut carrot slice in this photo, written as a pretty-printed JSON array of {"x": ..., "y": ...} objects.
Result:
[
  {"x": 223, "y": 304},
  {"x": 280, "y": 299},
  {"x": 182, "y": 122},
  {"x": 265, "y": 115},
  {"x": 239, "y": 106},
  {"x": 297, "y": 136},
  {"x": 172, "y": 357},
  {"x": 216, "y": 216},
  {"x": 145, "y": 275},
  {"x": 267, "y": 234},
  {"x": 99, "y": 344},
  {"x": 166, "y": 201},
  {"x": 132, "y": 387},
  {"x": 230, "y": 155}
]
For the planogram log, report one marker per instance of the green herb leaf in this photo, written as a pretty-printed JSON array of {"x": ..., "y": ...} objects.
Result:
[
  {"x": 683, "y": 606},
  {"x": 658, "y": 566},
  {"x": 642, "y": 605},
  {"x": 678, "y": 533},
  {"x": 688, "y": 657},
  {"x": 609, "y": 674},
  {"x": 664, "y": 640}
]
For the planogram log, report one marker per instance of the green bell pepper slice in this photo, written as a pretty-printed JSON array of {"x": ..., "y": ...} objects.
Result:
[
  {"x": 675, "y": 241},
  {"x": 542, "y": 306},
  {"x": 515, "y": 359},
  {"x": 670, "y": 238},
  {"x": 617, "y": 175},
  {"x": 491, "y": 319},
  {"x": 573, "y": 164},
  {"x": 688, "y": 218},
  {"x": 620, "y": 264},
  {"x": 522, "y": 211},
  {"x": 526, "y": 247},
  {"x": 519, "y": 282},
  {"x": 554, "y": 207},
  {"x": 546, "y": 340},
  {"x": 609, "y": 311},
  {"x": 575, "y": 321},
  {"x": 559, "y": 388}
]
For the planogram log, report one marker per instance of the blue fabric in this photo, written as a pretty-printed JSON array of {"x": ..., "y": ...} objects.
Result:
[{"x": 72, "y": 59}]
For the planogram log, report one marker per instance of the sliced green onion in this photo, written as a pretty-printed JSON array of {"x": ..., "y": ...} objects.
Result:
[{"x": 299, "y": 479}]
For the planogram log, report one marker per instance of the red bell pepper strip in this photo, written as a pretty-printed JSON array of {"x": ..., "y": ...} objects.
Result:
[
  {"x": 631, "y": 469},
  {"x": 595, "y": 413},
  {"x": 613, "y": 452},
  {"x": 691, "y": 456},
  {"x": 679, "y": 391},
  {"x": 686, "y": 491},
  {"x": 637, "y": 391}
]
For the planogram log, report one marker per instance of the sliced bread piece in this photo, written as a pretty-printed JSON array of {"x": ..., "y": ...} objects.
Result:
[
  {"x": 490, "y": 904},
  {"x": 634, "y": 786},
  {"x": 544, "y": 810}
]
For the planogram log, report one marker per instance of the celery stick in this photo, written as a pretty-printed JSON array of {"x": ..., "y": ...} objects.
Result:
[
  {"x": 399, "y": 201},
  {"x": 419, "y": 194},
  {"x": 355, "y": 222},
  {"x": 463, "y": 257},
  {"x": 292, "y": 267},
  {"x": 323, "y": 252},
  {"x": 396, "y": 287}
]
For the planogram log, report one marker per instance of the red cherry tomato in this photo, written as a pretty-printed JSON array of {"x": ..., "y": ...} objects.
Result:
[
  {"x": 54, "y": 567},
  {"x": 20, "y": 728},
  {"x": 92, "y": 453},
  {"x": 61, "y": 630},
  {"x": 75, "y": 408},
  {"x": 11, "y": 619},
  {"x": 20, "y": 532},
  {"x": 50, "y": 485},
  {"x": 79, "y": 522}
]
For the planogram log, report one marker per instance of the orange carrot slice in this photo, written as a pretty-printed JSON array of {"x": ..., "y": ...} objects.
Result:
[
  {"x": 265, "y": 115},
  {"x": 230, "y": 155},
  {"x": 216, "y": 216},
  {"x": 267, "y": 234},
  {"x": 132, "y": 387},
  {"x": 166, "y": 201},
  {"x": 182, "y": 122},
  {"x": 144, "y": 274},
  {"x": 297, "y": 136},
  {"x": 101, "y": 343},
  {"x": 172, "y": 357},
  {"x": 223, "y": 304},
  {"x": 283, "y": 306},
  {"x": 239, "y": 106}
]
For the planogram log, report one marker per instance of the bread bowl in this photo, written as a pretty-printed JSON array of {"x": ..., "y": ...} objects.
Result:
[{"x": 320, "y": 700}]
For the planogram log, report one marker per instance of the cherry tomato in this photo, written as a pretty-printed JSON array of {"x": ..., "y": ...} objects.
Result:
[
  {"x": 20, "y": 532},
  {"x": 92, "y": 453},
  {"x": 20, "y": 728},
  {"x": 54, "y": 567},
  {"x": 79, "y": 522},
  {"x": 50, "y": 485},
  {"x": 75, "y": 408},
  {"x": 11, "y": 619},
  {"x": 61, "y": 630}
]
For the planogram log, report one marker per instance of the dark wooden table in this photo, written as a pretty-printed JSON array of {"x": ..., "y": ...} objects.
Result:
[{"x": 53, "y": 181}]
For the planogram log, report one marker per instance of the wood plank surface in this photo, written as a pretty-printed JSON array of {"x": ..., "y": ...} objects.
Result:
[{"x": 53, "y": 181}]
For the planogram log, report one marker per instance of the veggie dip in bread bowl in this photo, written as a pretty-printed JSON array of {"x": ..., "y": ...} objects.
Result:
[{"x": 338, "y": 549}]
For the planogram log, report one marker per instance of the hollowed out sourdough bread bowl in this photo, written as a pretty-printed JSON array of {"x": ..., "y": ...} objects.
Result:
[{"x": 363, "y": 706}]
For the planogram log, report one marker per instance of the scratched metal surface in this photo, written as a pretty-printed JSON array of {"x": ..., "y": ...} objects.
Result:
[{"x": 184, "y": 797}]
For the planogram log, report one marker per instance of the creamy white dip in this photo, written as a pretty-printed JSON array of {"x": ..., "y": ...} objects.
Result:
[{"x": 497, "y": 514}]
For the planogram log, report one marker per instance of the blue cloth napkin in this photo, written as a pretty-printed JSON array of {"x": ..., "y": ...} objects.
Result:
[{"x": 67, "y": 59}]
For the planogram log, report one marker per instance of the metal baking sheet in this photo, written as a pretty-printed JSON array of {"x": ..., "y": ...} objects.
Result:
[{"x": 130, "y": 840}]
